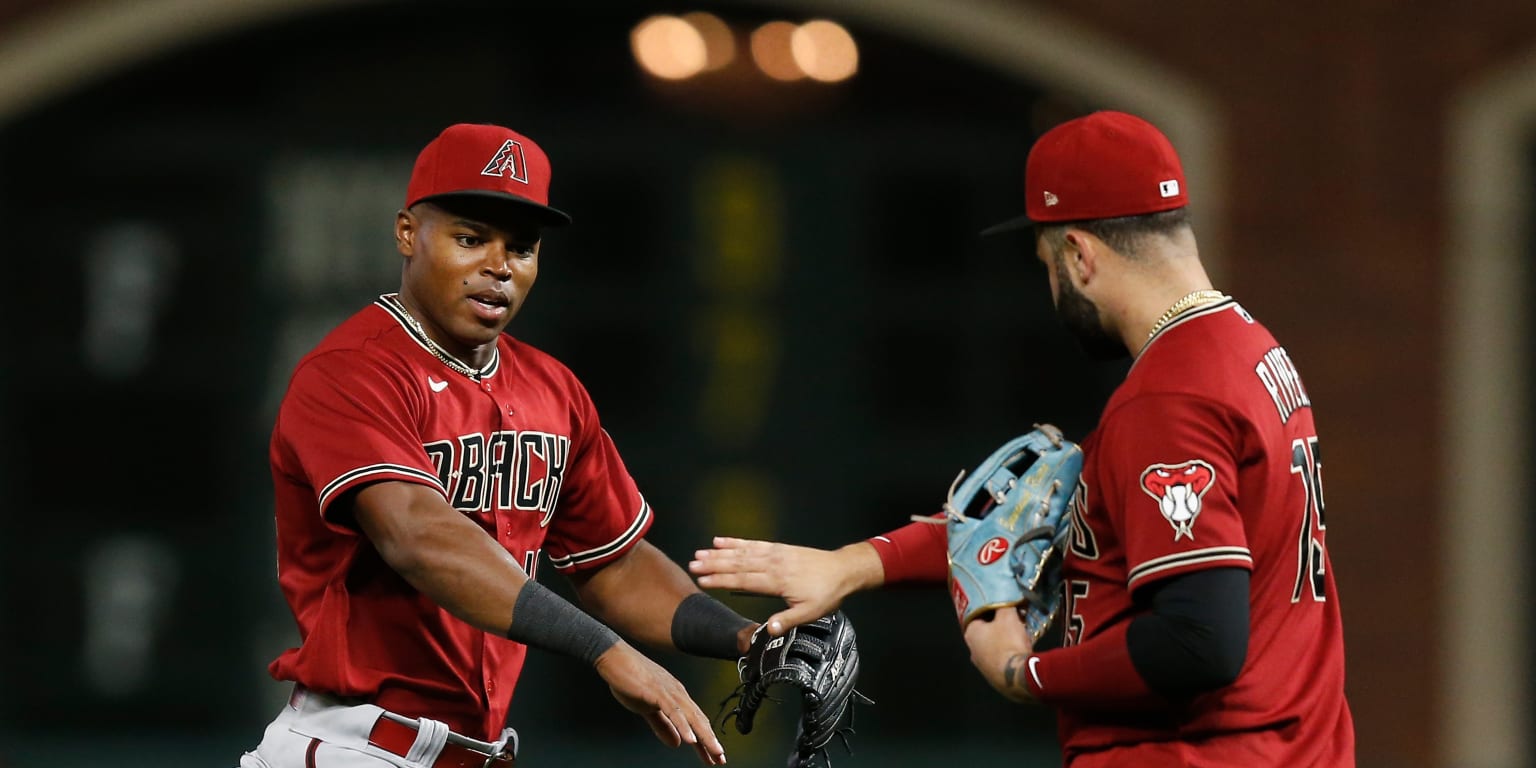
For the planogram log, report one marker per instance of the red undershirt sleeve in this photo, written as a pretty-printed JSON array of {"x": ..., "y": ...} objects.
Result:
[
  {"x": 916, "y": 553},
  {"x": 1097, "y": 673}
]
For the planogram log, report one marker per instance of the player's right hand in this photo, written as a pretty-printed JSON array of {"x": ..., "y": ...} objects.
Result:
[
  {"x": 813, "y": 582},
  {"x": 1000, "y": 650},
  {"x": 643, "y": 687}
]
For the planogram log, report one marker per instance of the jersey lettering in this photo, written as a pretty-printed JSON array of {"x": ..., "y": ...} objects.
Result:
[
  {"x": 531, "y": 563},
  {"x": 501, "y": 453},
  {"x": 1075, "y": 590},
  {"x": 441, "y": 453},
  {"x": 556, "y": 448},
  {"x": 505, "y": 470},
  {"x": 1278, "y": 375},
  {"x": 1311, "y": 557},
  {"x": 1084, "y": 544},
  {"x": 539, "y": 488},
  {"x": 470, "y": 493}
]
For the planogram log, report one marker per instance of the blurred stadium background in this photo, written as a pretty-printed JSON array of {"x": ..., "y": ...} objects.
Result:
[{"x": 774, "y": 293}]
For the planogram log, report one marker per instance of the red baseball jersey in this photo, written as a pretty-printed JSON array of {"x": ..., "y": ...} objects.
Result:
[
  {"x": 516, "y": 447},
  {"x": 1206, "y": 456}
]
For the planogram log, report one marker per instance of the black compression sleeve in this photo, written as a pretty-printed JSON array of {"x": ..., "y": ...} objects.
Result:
[
  {"x": 543, "y": 619},
  {"x": 704, "y": 626},
  {"x": 1195, "y": 637}
]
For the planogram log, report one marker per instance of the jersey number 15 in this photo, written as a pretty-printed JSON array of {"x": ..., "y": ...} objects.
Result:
[{"x": 1311, "y": 557}]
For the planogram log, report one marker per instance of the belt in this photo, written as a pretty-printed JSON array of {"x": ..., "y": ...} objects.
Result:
[{"x": 396, "y": 737}]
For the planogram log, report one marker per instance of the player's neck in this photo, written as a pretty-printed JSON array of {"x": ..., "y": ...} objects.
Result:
[
  {"x": 1177, "y": 286},
  {"x": 1137, "y": 335},
  {"x": 472, "y": 358}
]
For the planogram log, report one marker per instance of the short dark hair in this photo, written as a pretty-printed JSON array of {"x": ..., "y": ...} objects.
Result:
[{"x": 1124, "y": 234}]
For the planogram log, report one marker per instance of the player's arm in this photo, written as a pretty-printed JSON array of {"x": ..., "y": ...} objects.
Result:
[
  {"x": 1191, "y": 639},
  {"x": 452, "y": 561},
  {"x": 441, "y": 552},
  {"x": 1194, "y": 637},
  {"x": 814, "y": 582},
  {"x": 1187, "y": 631},
  {"x": 647, "y": 596}
]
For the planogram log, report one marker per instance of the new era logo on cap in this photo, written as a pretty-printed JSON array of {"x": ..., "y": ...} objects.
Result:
[
  {"x": 487, "y": 161},
  {"x": 1101, "y": 166}
]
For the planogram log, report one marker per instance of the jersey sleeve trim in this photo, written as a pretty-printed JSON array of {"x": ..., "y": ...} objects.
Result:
[
  {"x": 378, "y": 472},
  {"x": 1183, "y": 560},
  {"x": 625, "y": 539},
  {"x": 915, "y": 553}
]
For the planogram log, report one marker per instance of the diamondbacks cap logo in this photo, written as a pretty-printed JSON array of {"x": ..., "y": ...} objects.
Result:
[
  {"x": 508, "y": 162},
  {"x": 1179, "y": 490},
  {"x": 992, "y": 551}
]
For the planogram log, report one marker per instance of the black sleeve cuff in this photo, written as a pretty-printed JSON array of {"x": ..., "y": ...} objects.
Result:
[{"x": 704, "y": 626}]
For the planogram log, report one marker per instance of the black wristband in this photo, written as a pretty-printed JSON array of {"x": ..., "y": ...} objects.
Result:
[
  {"x": 543, "y": 619},
  {"x": 704, "y": 626}
]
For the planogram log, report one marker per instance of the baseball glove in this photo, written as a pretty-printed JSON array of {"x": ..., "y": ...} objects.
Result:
[
  {"x": 1007, "y": 525},
  {"x": 819, "y": 661}
]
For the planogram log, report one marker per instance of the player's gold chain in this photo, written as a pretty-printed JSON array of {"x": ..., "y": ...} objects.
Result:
[
  {"x": 437, "y": 352},
  {"x": 1190, "y": 301}
]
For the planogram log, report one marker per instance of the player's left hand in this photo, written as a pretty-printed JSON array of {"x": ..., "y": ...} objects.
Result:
[
  {"x": 648, "y": 690},
  {"x": 1000, "y": 650},
  {"x": 813, "y": 582}
]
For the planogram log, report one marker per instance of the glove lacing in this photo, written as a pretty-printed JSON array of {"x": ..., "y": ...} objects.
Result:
[{"x": 806, "y": 758}]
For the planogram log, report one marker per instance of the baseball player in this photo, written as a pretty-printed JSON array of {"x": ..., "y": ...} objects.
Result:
[
  {"x": 422, "y": 461},
  {"x": 1200, "y": 618}
]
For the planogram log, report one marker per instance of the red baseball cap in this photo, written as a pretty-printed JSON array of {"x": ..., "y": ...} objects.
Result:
[
  {"x": 1100, "y": 166},
  {"x": 488, "y": 161}
]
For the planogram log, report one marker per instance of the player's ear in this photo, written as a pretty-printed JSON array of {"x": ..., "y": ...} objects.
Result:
[
  {"x": 405, "y": 232},
  {"x": 1081, "y": 254}
]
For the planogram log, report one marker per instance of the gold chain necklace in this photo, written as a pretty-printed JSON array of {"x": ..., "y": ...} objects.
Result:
[
  {"x": 437, "y": 352},
  {"x": 1190, "y": 301}
]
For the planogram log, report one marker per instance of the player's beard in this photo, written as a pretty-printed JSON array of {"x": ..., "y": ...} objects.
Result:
[{"x": 1081, "y": 317}]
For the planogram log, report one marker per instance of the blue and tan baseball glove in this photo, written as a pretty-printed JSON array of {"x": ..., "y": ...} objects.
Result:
[{"x": 1007, "y": 524}]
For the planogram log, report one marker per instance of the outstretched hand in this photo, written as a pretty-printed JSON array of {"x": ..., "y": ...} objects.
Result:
[
  {"x": 643, "y": 687},
  {"x": 813, "y": 582}
]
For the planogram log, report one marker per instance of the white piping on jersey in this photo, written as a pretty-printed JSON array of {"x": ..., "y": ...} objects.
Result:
[
  {"x": 596, "y": 553},
  {"x": 390, "y": 302},
  {"x": 1195, "y": 557},
  {"x": 378, "y": 469}
]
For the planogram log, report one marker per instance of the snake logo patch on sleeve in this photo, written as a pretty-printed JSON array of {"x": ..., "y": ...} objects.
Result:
[{"x": 1178, "y": 489}]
